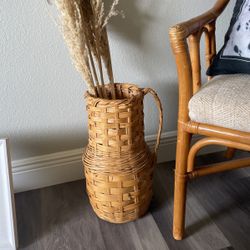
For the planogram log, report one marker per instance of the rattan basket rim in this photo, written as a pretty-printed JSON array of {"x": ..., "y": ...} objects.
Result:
[{"x": 125, "y": 99}]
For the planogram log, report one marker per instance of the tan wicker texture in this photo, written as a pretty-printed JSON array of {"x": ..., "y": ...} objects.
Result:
[{"x": 118, "y": 163}]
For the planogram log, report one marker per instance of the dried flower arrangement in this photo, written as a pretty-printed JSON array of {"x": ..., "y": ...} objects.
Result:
[
  {"x": 117, "y": 158},
  {"x": 83, "y": 24}
]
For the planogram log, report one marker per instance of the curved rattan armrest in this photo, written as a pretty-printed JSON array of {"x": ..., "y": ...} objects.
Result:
[
  {"x": 185, "y": 29},
  {"x": 188, "y": 57}
]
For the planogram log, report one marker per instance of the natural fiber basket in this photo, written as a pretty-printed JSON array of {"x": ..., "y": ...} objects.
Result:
[{"x": 118, "y": 163}]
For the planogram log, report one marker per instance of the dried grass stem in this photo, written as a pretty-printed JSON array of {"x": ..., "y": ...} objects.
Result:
[{"x": 83, "y": 25}]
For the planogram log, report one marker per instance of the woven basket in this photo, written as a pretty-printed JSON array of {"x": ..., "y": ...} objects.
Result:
[{"x": 118, "y": 163}]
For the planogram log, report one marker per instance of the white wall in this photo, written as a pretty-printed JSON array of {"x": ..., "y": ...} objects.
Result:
[{"x": 41, "y": 106}]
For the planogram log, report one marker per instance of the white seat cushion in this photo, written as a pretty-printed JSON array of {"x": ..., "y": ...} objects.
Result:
[{"x": 224, "y": 101}]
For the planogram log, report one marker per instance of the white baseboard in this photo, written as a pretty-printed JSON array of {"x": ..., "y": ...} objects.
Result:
[{"x": 46, "y": 170}]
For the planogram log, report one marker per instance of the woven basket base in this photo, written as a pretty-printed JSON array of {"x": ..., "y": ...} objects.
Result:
[
  {"x": 120, "y": 198},
  {"x": 121, "y": 218}
]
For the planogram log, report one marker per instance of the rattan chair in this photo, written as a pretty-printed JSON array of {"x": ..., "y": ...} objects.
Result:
[{"x": 185, "y": 42}]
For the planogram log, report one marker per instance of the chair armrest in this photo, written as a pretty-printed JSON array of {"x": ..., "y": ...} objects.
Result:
[
  {"x": 185, "y": 29},
  {"x": 188, "y": 57}
]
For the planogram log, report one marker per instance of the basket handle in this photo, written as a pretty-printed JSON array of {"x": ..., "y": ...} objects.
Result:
[{"x": 159, "y": 106}]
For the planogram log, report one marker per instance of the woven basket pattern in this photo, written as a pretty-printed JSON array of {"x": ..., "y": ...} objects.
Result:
[{"x": 118, "y": 163}]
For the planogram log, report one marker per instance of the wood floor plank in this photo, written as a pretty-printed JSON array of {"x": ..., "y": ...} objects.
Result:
[
  {"x": 142, "y": 234},
  {"x": 28, "y": 206},
  {"x": 64, "y": 220},
  {"x": 161, "y": 209},
  {"x": 149, "y": 233},
  {"x": 206, "y": 234},
  {"x": 209, "y": 236},
  {"x": 117, "y": 236},
  {"x": 230, "y": 216}
]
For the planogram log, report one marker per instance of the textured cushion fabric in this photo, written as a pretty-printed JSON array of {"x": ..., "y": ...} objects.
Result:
[
  {"x": 234, "y": 57},
  {"x": 224, "y": 101}
]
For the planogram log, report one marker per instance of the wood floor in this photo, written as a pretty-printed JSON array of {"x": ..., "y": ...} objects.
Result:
[{"x": 218, "y": 216}]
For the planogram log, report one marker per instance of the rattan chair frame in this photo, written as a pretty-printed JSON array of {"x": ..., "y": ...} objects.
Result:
[{"x": 185, "y": 41}]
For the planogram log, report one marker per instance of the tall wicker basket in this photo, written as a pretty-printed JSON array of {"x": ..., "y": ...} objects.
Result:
[{"x": 118, "y": 163}]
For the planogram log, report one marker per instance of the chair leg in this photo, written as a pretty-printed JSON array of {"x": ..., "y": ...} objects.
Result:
[{"x": 183, "y": 145}]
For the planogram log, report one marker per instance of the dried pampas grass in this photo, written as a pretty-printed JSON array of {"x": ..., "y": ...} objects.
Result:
[{"x": 83, "y": 24}]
